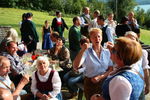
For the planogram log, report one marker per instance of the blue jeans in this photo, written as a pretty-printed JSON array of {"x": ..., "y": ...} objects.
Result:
[{"x": 72, "y": 80}]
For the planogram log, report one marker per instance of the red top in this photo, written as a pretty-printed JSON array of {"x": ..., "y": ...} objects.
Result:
[{"x": 59, "y": 23}]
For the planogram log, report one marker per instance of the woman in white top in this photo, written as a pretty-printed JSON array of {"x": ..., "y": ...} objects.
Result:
[
  {"x": 124, "y": 83},
  {"x": 96, "y": 61},
  {"x": 46, "y": 83}
]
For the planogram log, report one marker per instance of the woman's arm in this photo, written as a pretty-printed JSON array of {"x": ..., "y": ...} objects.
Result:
[
  {"x": 120, "y": 85},
  {"x": 34, "y": 90},
  {"x": 100, "y": 77},
  {"x": 50, "y": 30},
  {"x": 56, "y": 83},
  {"x": 43, "y": 33},
  {"x": 22, "y": 83},
  {"x": 77, "y": 61},
  {"x": 66, "y": 57}
]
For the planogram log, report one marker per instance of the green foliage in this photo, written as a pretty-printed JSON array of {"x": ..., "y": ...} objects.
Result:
[
  {"x": 67, "y": 6},
  {"x": 143, "y": 18},
  {"x": 121, "y": 7},
  {"x": 94, "y": 5},
  {"x": 56, "y": 5},
  {"x": 12, "y": 17}
]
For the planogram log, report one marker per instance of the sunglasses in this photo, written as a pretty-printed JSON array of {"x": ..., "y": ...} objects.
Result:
[{"x": 114, "y": 51}]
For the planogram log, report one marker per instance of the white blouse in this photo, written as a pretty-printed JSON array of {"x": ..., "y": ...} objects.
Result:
[
  {"x": 120, "y": 88},
  {"x": 56, "y": 82}
]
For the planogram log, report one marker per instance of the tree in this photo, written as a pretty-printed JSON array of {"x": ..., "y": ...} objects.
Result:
[
  {"x": 56, "y": 5},
  {"x": 121, "y": 7}
]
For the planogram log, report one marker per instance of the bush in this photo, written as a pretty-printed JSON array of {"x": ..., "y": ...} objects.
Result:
[{"x": 143, "y": 18}]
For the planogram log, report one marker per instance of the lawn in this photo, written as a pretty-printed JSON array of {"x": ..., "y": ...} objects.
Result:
[{"x": 12, "y": 17}]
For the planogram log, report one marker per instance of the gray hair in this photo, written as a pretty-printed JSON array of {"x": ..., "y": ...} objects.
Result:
[
  {"x": 132, "y": 34},
  {"x": 43, "y": 58},
  {"x": 2, "y": 59}
]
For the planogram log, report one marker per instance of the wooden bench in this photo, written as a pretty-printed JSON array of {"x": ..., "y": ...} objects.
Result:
[{"x": 81, "y": 89}]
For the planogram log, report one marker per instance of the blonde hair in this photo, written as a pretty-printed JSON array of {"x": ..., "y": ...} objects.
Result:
[
  {"x": 93, "y": 30},
  {"x": 12, "y": 35},
  {"x": 128, "y": 50}
]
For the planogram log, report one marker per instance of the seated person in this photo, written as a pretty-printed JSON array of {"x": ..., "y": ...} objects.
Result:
[
  {"x": 60, "y": 54},
  {"x": 46, "y": 83},
  {"x": 11, "y": 35},
  {"x": 5, "y": 81},
  {"x": 74, "y": 76},
  {"x": 54, "y": 37},
  {"x": 71, "y": 78},
  {"x": 16, "y": 65},
  {"x": 22, "y": 49},
  {"x": 5, "y": 94},
  {"x": 125, "y": 80}
]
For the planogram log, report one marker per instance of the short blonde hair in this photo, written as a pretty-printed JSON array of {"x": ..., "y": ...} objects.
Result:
[
  {"x": 128, "y": 50},
  {"x": 93, "y": 30},
  {"x": 12, "y": 35}
]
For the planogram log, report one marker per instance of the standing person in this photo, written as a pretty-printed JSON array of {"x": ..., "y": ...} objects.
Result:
[
  {"x": 85, "y": 21},
  {"x": 58, "y": 24},
  {"x": 46, "y": 83},
  {"x": 96, "y": 61},
  {"x": 29, "y": 34},
  {"x": 110, "y": 20},
  {"x": 23, "y": 19},
  {"x": 125, "y": 81},
  {"x": 133, "y": 23},
  {"x": 123, "y": 27},
  {"x": 46, "y": 40},
  {"x": 93, "y": 23},
  {"x": 74, "y": 38},
  {"x": 107, "y": 31},
  {"x": 111, "y": 23}
]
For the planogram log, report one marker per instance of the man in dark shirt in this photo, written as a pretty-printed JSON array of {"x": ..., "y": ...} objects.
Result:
[{"x": 28, "y": 33}]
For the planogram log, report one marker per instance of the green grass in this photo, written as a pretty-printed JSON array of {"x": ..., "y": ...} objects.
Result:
[
  {"x": 145, "y": 36},
  {"x": 12, "y": 17}
]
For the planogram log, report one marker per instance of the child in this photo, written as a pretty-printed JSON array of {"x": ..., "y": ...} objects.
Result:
[
  {"x": 46, "y": 40},
  {"x": 46, "y": 83}
]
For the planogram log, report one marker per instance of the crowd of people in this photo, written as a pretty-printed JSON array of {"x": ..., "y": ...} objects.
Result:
[{"x": 104, "y": 55}]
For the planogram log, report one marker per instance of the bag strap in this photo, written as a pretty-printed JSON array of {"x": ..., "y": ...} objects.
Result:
[{"x": 11, "y": 88}]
